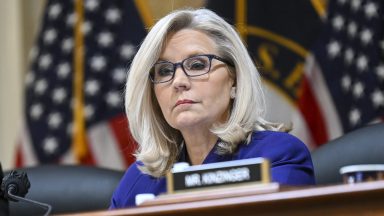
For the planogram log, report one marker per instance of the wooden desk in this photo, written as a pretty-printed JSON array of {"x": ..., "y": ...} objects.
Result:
[{"x": 358, "y": 199}]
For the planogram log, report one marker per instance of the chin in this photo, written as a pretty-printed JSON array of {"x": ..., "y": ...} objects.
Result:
[{"x": 187, "y": 123}]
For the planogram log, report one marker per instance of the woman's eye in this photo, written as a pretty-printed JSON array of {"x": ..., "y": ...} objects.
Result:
[
  {"x": 164, "y": 71},
  {"x": 197, "y": 65}
]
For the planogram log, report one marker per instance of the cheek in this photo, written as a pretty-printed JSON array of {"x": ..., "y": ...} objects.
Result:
[
  {"x": 220, "y": 90},
  {"x": 159, "y": 97},
  {"x": 221, "y": 97},
  {"x": 162, "y": 99},
  {"x": 218, "y": 96}
]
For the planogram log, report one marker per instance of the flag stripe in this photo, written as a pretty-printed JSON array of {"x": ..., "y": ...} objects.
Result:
[
  {"x": 104, "y": 147},
  {"x": 25, "y": 152},
  {"x": 301, "y": 128},
  {"x": 312, "y": 114},
  {"x": 119, "y": 126},
  {"x": 322, "y": 98}
]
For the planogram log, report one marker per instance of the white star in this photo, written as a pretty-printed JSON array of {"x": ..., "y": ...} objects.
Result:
[
  {"x": 63, "y": 70},
  {"x": 334, "y": 48},
  {"x": 362, "y": 63},
  {"x": 54, "y": 11},
  {"x": 89, "y": 111},
  {"x": 370, "y": 10},
  {"x": 346, "y": 82},
  {"x": 59, "y": 94},
  {"x": 354, "y": 116},
  {"x": 105, "y": 39},
  {"x": 113, "y": 99},
  {"x": 33, "y": 53},
  {"x": 380, "y": 71},
  {"x": 338, "y": 22},
  {"x": 71, "y": 19},
  {"x": 92, "y": 87},
  {"x": 86, "y": 27},
  {"x": 366, "y": 36},
  {"x": 36, "y": 111},
  {"x": 355, "y": 4},
  {"x": 67, "y": 45},
  {"x": 349, "y": 54},
  {"x": 352, "y": 29},
  {"x": 113, "y": 15},
  {"x": 119, "y": 75},
  {"x": 92, "y": 5},
  {"x": 377, "y": 98},
  {"x": 382, "y": 45},
  {"x": 127, "y": 51},
  {"x": 50, "y": 145},
  {"x": 41, "y": 86},
  {"x": 50, "y": 36},
  {"x": 29, "y": 78},
  {"x": 341, "y": 2},
  {"x": 98, "y": 63},
  {"x": 358, "y": 89},
  {"x": 54, "y": 120},
  {"x": 45, "y": 61}
]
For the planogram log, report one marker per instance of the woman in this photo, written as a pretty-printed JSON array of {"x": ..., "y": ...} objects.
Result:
[{"x": 194, "y": 95}]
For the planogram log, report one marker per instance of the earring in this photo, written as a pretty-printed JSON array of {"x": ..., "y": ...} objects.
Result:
[{"x": 233, "y": 93}]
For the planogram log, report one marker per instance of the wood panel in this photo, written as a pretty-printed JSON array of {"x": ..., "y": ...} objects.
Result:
[{"x": 358, "y": 199}]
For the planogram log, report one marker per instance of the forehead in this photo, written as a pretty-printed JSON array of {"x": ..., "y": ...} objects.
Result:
[{"x": 186, "y": 43}]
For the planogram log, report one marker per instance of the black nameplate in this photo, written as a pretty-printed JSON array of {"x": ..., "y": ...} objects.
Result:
[{"x": 254, "y": 170}]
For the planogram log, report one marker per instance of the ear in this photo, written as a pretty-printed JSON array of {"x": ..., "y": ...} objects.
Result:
[{"x": 233, "y": 92}]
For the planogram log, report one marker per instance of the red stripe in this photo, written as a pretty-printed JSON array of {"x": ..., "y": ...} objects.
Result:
[
  {"x": 19, "y": 162},
  {"x": 124, "y": 138},
  {"x": 313, "y": 116}
]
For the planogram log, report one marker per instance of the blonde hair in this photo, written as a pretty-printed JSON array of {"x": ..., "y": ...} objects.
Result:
[{"x": 159, "y": 143}]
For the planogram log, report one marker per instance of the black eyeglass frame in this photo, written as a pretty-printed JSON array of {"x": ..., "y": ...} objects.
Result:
[{"x": 177, "y": 64}]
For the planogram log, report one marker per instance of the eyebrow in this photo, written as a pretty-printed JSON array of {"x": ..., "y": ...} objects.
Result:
[{"x": 189, "y": 56}]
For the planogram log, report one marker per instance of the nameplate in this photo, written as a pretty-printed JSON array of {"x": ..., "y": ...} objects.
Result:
[{"x": 237, "y": 172}]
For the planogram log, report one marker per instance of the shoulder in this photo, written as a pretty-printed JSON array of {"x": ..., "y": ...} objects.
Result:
[
  {"x": 135, "y": 182},
  {"x": 272, "y": 144},
  {"x": 289, "y": 157}
]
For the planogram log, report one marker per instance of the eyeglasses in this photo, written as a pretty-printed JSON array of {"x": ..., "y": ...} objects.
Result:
[{"x": 164, "y": 71}]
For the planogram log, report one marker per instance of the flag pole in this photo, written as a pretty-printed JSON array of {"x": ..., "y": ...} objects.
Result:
[
  {"x": 241, "y": 18},
  {"x": 79, "y": 146},
  {"x": 145, "y": 14}
]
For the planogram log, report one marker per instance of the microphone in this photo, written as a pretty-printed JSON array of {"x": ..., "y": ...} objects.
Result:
[
  {"x": 4, "y": 208},
  {"x": 16, "y": 185}
]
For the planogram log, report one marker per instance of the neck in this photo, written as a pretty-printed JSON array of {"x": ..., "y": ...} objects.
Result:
[{"x": 199, "y": 145}]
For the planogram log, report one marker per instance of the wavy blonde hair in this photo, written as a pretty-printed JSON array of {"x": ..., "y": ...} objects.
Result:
[{"x": 159, "y": 143}]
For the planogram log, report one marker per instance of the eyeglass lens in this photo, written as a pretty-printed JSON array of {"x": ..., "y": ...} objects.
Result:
[{"x": 193, "y": 66}]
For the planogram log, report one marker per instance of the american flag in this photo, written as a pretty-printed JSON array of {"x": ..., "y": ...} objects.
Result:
[
  {"x": 111, "y": 31},
  {"x": 350, "y": 59}
]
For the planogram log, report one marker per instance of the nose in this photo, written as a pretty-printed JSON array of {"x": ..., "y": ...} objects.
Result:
[{"x": 181, "y": 80}]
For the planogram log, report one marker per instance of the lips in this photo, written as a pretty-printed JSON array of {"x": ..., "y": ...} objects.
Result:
[{"x": 185, "y": 101}]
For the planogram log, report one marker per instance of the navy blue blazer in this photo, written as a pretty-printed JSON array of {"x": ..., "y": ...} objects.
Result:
[{"x": 289, "y": 158}]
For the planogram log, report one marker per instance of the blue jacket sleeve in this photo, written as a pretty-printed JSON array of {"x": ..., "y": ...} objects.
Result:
[
  {"x": 123, "y": 196},
  {"x": 135, "y": 182}
]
